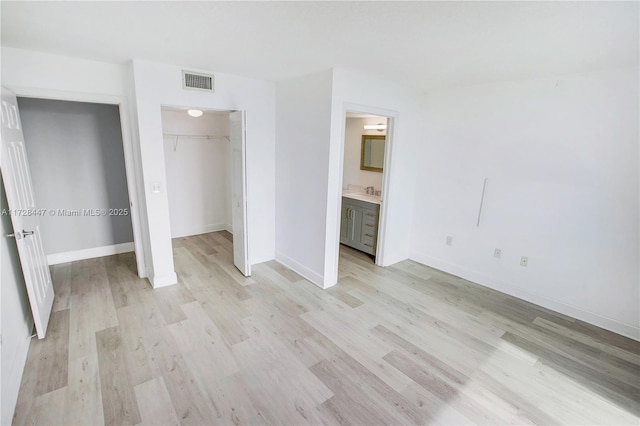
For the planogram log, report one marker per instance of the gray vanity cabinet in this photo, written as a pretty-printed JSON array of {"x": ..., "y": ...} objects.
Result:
[{"x": 359, "y": 225}]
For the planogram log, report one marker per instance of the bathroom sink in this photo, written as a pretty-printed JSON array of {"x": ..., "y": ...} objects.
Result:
[{"x": 362, "y": 197}]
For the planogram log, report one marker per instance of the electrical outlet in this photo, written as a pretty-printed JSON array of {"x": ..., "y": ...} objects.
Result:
[
  {"x": 449, "y": 240},
  {"x": 524, "y": 261},
  {"x": 497, "y": 253}
]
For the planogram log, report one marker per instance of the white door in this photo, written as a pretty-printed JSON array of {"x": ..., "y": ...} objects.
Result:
[
  {"x": 24, "y": 213},
  {"x": 239, "y": 192}
]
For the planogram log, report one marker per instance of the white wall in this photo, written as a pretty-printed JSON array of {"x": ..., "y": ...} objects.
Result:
[
  {"x": 310, "y": 134},
  {"x": 28, "y": 69},
  {"x": 358, "y": 92},
  {"x": 561, "y": 158},
  {"x": 303, "y": 117},
  {"x": 160, "y": 84},
  {"x": 17, "y": 321},
  {"x": 352, "y": 175},
  {"x": 198, "y": 172},
  {"x": 76, "y": 160}
]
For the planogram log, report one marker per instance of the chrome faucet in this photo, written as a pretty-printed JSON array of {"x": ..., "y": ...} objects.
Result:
[{"x": 370, "y": 190}]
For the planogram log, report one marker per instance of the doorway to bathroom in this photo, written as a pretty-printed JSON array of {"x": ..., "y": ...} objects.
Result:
[
  {"x": 204, "y": 153},
  {"x": 365, "y": 143}
]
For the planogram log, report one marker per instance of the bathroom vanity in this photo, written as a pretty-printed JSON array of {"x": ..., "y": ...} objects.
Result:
[{"x": 359, "y": 221}]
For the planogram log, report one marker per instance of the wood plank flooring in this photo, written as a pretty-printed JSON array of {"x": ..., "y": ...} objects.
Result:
[{"x": 400, "y": 345}]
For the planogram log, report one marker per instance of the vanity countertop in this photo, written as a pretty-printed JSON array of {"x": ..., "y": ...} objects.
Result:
[{"x": 375, "y": 199}]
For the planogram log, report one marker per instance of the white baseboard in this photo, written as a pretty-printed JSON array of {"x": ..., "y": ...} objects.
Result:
[
  {"x": 228, "y": 228},
  {"x": 205, "y": 229},
  {"x": 72, "y": 256},
  {"x": 299, "y": 268},
  {"x": 628, "y": 330},
  {"x": 158, "y": 281}
]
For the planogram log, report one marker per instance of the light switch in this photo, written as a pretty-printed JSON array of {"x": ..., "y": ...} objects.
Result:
[{"x": 155, "y": 187}]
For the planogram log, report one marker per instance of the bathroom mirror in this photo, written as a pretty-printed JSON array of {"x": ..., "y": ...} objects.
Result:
[{"x": 372, "y": 157}]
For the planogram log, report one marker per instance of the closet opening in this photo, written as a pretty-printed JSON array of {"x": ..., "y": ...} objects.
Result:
[
  {"x": 77, "y": 154},
  {"x": 204, "y": 152}
]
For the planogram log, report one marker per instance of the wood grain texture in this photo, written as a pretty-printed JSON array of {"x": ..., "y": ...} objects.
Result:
[
  {"x": 155, "y": 404},
  {"x": 405, "y": 344},
  {"x": 118, "y": 398}
]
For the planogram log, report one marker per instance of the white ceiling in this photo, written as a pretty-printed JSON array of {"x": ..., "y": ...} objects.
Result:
[{"x": 424, "y": 44}]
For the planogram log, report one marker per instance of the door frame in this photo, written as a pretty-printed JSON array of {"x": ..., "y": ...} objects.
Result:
[
  {"x": 386, "y": 190},
  {"x": 131, "y": 160},
  {"x": 245, "y": 190}
]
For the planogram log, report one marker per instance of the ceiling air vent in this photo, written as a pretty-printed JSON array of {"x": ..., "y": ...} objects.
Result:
[{"x": 197, "y": 81}]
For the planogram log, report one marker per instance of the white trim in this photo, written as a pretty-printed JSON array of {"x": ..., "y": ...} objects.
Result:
[
  {"x": 628, "y": 330},
  {"x": 245, "y": 188},
  {"x": 385, "y": 190},
  {"x": 130, "y": 161},
  {"x": 64, "y": 95},
  {"x": 229, "y": 228},
  {"x": 299, "y": 268},
  {"x": 205, "y": 229},
  {"x": 129, "y": 144},
  {"x": 72, "y": 256},
  {"x": 163, "y": 280}
]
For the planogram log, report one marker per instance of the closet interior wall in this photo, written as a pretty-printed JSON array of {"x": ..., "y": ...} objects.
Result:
[{"x": 198, "y": 157}]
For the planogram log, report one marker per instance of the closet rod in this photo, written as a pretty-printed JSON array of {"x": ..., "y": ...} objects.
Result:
[
  {"x": 178, "y": 136},
  {"x": 195, "y": 136}
]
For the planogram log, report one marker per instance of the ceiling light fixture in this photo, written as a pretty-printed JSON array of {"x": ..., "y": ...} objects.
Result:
[
  {"x": 379, "y": 127},
  {"x": 195, "y": 112}
]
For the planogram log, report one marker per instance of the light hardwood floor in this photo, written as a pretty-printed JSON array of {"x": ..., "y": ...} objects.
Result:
[{"x": 401, "y": 345}]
